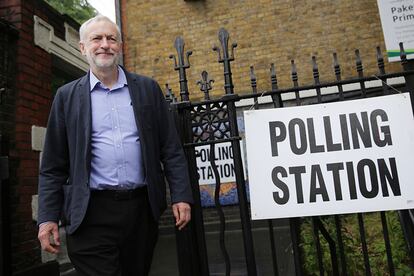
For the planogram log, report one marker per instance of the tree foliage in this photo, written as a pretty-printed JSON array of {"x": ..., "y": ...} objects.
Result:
[{"x": 80, "y": 10}]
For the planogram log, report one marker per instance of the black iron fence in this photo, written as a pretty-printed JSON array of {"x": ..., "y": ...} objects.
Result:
[{"x": 214, "y": 121}]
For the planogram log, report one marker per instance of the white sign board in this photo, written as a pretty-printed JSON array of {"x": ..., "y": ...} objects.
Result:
[
  {"x": 224, "y": 162},
  {"x": 336, "y": 158},
  {"x": 397, "y": 19}
]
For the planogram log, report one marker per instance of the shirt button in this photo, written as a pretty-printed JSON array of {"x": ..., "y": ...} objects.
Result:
[{"x": 116, "y": 127}]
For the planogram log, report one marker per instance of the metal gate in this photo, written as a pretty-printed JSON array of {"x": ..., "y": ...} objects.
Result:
[{"x": 214, "y": 121}]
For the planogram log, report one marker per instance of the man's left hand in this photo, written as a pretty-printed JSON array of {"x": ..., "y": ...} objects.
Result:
[{"x": 182, "y": 214}]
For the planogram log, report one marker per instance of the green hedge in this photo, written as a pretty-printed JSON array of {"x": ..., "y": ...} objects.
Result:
[{"x": 353, "y": 247}]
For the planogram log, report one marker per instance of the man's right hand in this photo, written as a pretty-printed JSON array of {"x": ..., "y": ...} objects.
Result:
[{"x": 46, "y": 230}]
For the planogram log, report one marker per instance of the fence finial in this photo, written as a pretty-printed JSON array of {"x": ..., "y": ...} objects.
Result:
[
  {"x": 337, "y": 67},
  {"x": 205, "y": 84},
  {"x": 358, "y": 63},
  {"x": 182, "y": 65},
  {"x": 315, "y": 70},
  {"x": 403, "y": 55},
  {"x": 273, "y": 77},
  {"x": 316, "y": 80},
  {"x": 380, "y": 61},
  {"x": 253, "y": 80},
  {"x": 169, "y": 95},
  {"x": 294, "y": 72},
  {"x": 276, "y": 98},
  {"x": 225, "y": 58},
  {"x": 253, "y": 83}
]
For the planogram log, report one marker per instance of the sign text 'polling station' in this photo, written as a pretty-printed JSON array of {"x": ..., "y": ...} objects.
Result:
[{"x": 354, "y": 156}]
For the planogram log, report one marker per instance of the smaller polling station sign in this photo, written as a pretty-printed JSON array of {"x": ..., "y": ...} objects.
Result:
[
  {"x": 335, "y": 158},
  {"x": 397, "y": 20},
  {"x": 223, "y": 158}
]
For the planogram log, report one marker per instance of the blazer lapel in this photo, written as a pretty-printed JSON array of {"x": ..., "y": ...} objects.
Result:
[{"x": 84, "y": 116}]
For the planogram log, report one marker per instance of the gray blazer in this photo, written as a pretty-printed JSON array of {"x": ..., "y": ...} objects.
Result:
[{"x": 64, "y": 172}]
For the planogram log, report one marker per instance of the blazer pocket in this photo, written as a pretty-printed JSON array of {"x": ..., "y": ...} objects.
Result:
[{"x": 67, "y": 202}]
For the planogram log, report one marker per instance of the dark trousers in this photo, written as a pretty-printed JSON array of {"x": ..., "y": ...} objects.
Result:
[{"x": 117, "y": 236}]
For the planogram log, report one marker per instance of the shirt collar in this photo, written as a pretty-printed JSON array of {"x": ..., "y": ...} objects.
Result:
[{"x": 121, "y": 82}]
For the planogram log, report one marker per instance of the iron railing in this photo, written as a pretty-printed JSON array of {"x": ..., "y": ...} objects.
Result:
[{"x": 213, "y": 121}]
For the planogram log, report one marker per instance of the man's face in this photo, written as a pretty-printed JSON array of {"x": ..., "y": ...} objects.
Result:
[{"x": 101, "y": 45}]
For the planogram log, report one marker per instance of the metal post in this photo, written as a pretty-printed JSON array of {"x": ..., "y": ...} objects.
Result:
[
  {"x": 191, "y": 244},
  {"x": 181, "y": 65},
  {"x": 223, "y": 37},
  {"x": 406, "y": 216}
]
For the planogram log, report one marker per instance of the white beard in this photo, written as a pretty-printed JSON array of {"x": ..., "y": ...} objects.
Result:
[{"x": 103, "y": 63}]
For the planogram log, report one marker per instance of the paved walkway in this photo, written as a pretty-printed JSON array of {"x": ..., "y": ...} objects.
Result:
[{"x": 165, "y": 257}]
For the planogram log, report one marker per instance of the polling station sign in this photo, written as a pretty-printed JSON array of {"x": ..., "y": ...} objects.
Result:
[
  {"x": 336, "y": 158},
  {"x": 223, "y": 158}
]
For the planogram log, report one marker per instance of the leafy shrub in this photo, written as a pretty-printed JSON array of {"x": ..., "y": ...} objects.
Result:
[{"x": 353, "y": 247}]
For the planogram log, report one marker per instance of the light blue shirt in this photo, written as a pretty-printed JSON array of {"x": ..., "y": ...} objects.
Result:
[{"x": 116, "y": 158}]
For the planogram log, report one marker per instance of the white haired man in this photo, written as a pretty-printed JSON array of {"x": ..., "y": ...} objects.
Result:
[{"x": 107, "y": 135}]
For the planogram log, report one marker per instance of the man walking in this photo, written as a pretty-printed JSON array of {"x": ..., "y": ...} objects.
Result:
[{"x": 110, "y": 142}]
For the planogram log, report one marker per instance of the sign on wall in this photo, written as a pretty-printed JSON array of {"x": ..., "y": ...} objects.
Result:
[
  {"x": 397, "y": 20},
  {"x": 336, "y": 158}
]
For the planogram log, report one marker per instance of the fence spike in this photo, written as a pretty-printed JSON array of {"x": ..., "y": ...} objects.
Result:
[
  {"x": 315, "y": 70},
  {"x": 181, "y": 65},
  {"x": 276, "y": 98},
  {"x": 223, "y": 37},
  {"x": 253, "y": 83},
  {"x": 205, "y": 84},
  {"x": 169, "y": 95},
  {"x": 337, "y": 67},
  {"x": 273, "y": 77},
  {"x": 403, "y": 55},
  {"x": 295, "y": 80},
  {"x": 360, "y": 70},
  {"x": 380, "y": 61},
  {"x": 179, "y": 46},
  {"x": 358, "y": 63},
  {"x": 225, "y": 58},
  {"x": 381, "y": 68},
  {"x": 294, "y": 73},
  {"x": 253, "y": 80}
]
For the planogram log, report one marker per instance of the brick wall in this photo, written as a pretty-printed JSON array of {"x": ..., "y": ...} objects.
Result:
[
  {"x": 28, "y": 104},
  {"x": 266, "y": 31},
  {"x": 32, "y": 102}
]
